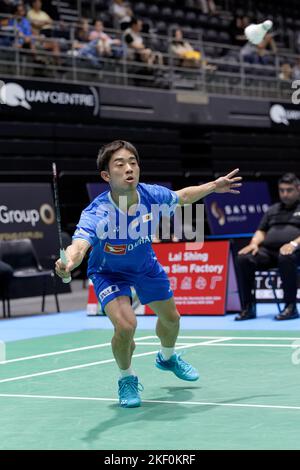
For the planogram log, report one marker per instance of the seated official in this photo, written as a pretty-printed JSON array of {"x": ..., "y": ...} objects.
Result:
[{"x": 276, "y": 243}]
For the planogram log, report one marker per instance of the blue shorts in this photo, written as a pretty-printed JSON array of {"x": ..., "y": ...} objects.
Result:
[{"x": 149, "y": 287}]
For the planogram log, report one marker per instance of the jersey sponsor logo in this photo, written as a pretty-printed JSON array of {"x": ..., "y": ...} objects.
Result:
[
  {"x": 140, "y": 241},
  {"x": 109, "y": 290},
  {"x": 115, "y": 249}
]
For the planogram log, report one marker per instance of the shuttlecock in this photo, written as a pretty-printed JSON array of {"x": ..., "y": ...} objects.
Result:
[{"x": 256, "y": 32}]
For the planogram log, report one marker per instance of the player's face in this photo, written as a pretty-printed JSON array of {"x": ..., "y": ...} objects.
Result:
[
  {"x": 289, "y": 193},
  {"x": 123, "y": 172}
]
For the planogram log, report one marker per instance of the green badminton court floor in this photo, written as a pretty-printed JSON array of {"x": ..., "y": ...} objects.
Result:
[{"x": 60, "y": 392}]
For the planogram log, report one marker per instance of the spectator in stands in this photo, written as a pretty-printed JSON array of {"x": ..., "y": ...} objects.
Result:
[
  {"x": 136, "y": 47},
  {"x": 89, "y": 51},
  {"x": 260, "y": 54},
  {"x": 183, "y": 50},
  {"x": 186, "y": 54},
  {"x": 106, "y": 45},
  {"x": 97, "y": 31},
  {"x": 286, "y": 72},
  {"x": 296, "y": 70},
  {"x": 206, "y": 6},
  {"x": 236, "y": 30},
  {"x": 266, "y": 48},
  {"x": 22, "y": 27},
  {"x": 122, "y": 14},
  {"x": 41, "y": 24},
  {"x": 82, "y": 33},
  {"x": 275, "y": 243},
  {"x": 39, "y": 19}
]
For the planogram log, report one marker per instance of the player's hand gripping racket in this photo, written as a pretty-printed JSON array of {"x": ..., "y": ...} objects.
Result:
[{"x": 62, "y": 252}]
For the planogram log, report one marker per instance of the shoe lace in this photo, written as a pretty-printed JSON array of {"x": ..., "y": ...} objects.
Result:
[
  {"x": 127, "y": 387},
  {"x": 183, "y": 364}
]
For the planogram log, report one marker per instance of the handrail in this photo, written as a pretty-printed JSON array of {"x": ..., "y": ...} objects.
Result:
[{"x": 127, "y": 72}]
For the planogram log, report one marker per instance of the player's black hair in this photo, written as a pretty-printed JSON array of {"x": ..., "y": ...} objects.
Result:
[
  {"x": 107, "y": 151},
  {"x": 289, "y": 178}
]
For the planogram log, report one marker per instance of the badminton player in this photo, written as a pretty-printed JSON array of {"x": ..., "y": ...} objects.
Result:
[{"x": 118, "y": 261}]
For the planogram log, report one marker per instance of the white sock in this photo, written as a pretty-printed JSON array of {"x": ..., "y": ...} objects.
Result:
[
  {"x": 167, "y": 352},
  {"x": 127, "y": 372}
]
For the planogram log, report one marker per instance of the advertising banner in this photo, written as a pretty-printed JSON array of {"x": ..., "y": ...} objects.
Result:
[
  {"x": 285, "y": 116},
  {"x": 228, "y": 214},
  {"x": 27, "y": 211},
  {"x": 33, "y": 99},
  {"x": 198, "y": 276}
]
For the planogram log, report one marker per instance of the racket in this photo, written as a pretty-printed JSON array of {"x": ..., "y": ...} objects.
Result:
[{"x": 62, "y": 252}]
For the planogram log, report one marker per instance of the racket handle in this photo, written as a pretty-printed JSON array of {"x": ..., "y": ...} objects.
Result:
[{"x": 63, "y": 257}]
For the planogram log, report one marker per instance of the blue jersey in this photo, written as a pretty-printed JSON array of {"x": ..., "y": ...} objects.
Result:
[{"x": 128, "y": 250}]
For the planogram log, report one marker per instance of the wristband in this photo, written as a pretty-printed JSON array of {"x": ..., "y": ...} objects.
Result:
[{"x": 294, "y": 244}]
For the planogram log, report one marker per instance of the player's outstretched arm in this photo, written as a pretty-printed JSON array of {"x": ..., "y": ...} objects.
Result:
[
  {"x": 75, "y": 254},
  {"x": 225, "y": 184}
]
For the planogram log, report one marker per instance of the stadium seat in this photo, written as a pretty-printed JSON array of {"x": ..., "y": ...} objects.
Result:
[
  {"x": 161, "y": 27},
  {"x": 154, "y": 11},
  {"x": 210, "y": 35},
  {"x": 191, "y": 18},
  {"x": 140, "y": 8},
  {"x": 179, "y": 16},
  {"x": 202, "y": 20},
  {"x": 22, "y": 257},
  {"x": 100, "y": 5},
  {"x": 224, "y": 37},
  {"x": 166, "y": 14}
]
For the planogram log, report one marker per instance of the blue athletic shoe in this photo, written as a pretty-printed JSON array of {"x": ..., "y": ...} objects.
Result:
[
  {"x": 176, "y": 364},
  {"x": 129, "y": 396}
]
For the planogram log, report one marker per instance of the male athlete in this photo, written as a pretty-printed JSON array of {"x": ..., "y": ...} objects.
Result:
[{"x": 120, "y": 260}]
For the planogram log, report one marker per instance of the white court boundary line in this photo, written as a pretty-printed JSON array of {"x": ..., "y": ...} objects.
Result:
[
  {"x": 82, "y": 366},
  {"x": 165, "y": 402},
  {"x": 275, "y": 338},
  {"x": 2, "y": 352},
  {"x": 98, "y": 346},
  {"x": 65, "y": 351},
  {"x": 211, "y": 342}
]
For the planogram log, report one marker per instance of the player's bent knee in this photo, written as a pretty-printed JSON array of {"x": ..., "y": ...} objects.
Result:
[
  {"x": 173, "y": 318},
  {"x": 125, "y": 330}
]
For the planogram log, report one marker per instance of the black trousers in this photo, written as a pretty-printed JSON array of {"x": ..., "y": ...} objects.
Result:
[
  {"x": 266, "y": 259},
  {"x": 6, "y": 273}
]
